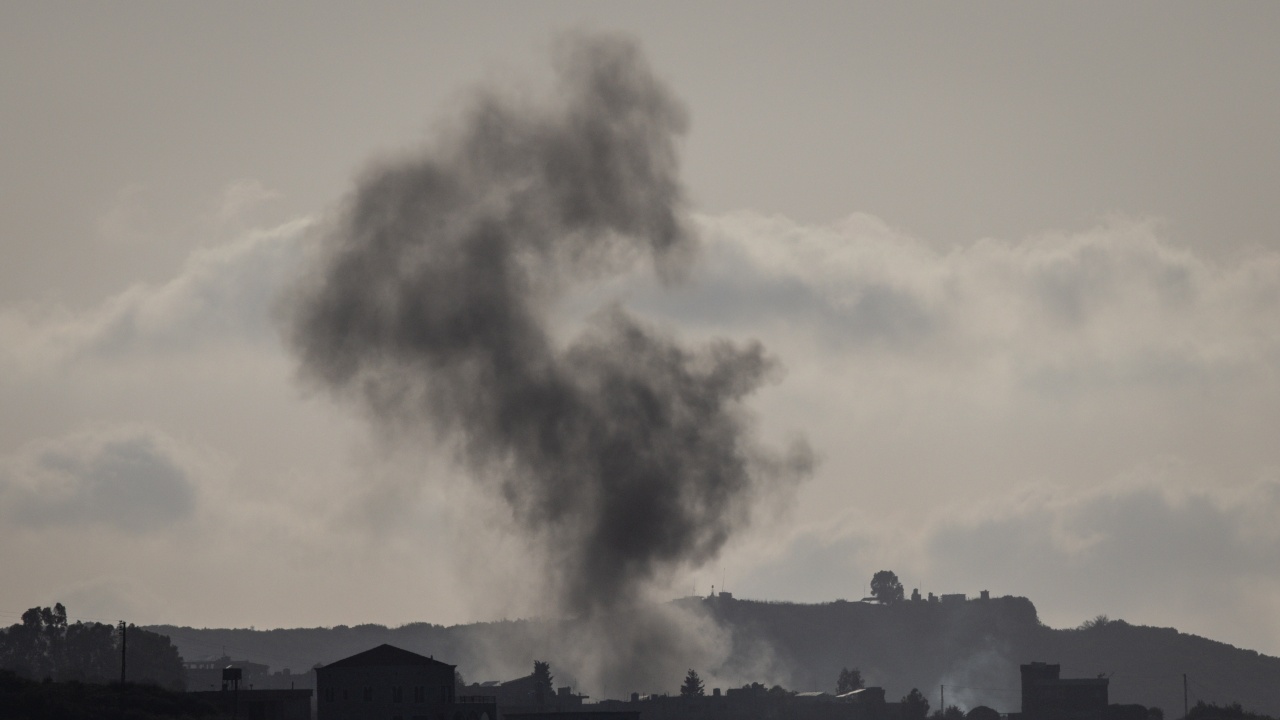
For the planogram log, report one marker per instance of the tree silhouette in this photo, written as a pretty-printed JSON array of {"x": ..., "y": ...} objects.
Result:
[
  {"x": 885, "y": 587},
  {"x": 45, "y": 645},
  {"x": 1099, "y": 621},
  {"x": 778, "y": 691},
  {"x": 541, "y": 681},
  {"x": 914, "y": 706},
  {"x": 849, "y": 681},
  {"x": 951, "y": 713},
  {"x": 692, "y": 686},
  {"x": 153, "y": 659}
]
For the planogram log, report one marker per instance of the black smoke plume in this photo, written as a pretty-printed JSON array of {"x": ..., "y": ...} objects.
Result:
[{"x": 624, "y": 454}]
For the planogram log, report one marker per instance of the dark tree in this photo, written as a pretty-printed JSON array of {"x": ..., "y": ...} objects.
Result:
[
  {"x": 45, "y": 646},
  {"x": 1212, "y": 711},
  {"x": 951, "y": 713},
  {"x": 37, "y": 648},
  {"x": 885, "y": 587},
  {"x": 541, "y": 682},
  {"x": 91, "y": 653},
  {"x": 849, "y": 681},
  {"x": 780, "y": 692},
  {"x": 692, "y": 686},
  {"x": 153, "y": 659},
  {"x": 914, "y": 705}
]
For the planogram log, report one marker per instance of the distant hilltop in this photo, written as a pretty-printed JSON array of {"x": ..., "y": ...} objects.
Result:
[{"x": 974, "y": 647}]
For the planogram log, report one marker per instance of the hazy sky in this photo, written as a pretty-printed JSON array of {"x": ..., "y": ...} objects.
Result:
[{"x": 1021, "y": 264}]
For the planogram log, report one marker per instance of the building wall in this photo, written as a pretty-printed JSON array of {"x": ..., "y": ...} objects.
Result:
[
  {"x": 356, "y": 693},
  {"x": 1046, "y": 696},
  {"x": 370, "y": 693}
]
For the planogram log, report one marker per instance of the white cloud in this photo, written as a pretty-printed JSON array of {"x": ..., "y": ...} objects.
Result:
[
  {"x": 1117, "y": 296},
  {"x": 222, "y": 296},
  {"x": 1069, "y": 357}
]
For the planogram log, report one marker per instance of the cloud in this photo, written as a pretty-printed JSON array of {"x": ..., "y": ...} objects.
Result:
[
  {"x": 1111, "y": 297},
  {"x": 1067, "y": 357},
  {"x": 1157, "y": 552},
  {"x": 242, "y": 197},
  {"x": 222, "y": 295},
  {"x": 162, "y": 430},
  {"x": 132, "y": 480}
]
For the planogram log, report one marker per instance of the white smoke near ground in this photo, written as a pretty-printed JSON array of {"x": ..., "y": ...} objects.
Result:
[{"x": 986, "y": 677}]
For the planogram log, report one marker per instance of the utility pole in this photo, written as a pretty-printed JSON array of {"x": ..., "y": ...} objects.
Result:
[
  {"x": 123, "y": 644},
  {"x": 1184, "y": 696},
  {"x": 942, "y": 699}
]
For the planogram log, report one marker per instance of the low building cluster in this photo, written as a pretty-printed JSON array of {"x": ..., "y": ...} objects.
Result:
[{"x": 389, "y": 683}]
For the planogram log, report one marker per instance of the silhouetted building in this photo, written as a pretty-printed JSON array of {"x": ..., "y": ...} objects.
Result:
[
  {"x": 206, "y": 674},
  {"x": 521, "y": 696},
  {"x": 1046, "y": 696},
  {"x": 261, "y": 704},
  {"x": 388, "y": 682},
  {"x": 982, "y": 712},
  {"x": 756, "y": 702}
]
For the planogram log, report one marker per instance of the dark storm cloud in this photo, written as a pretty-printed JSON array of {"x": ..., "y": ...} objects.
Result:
[{"x": 627, "y": 453}]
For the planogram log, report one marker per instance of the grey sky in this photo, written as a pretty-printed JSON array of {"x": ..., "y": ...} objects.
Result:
[{"x": 1021, "y": 262}]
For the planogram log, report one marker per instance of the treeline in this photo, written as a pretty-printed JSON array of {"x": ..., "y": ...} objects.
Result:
[
  {"x": 1232, "y": 711},
  {"x": 45, "y": 646}
]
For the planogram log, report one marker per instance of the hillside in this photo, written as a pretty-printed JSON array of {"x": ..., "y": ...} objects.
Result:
[{"x": 974, "y": 648}]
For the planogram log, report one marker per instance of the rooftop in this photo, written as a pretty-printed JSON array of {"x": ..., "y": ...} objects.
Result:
[{"x": 383, "y": 656}]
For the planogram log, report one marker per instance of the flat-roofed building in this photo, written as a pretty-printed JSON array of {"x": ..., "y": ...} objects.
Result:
[{"x": 1046, "y": 696}]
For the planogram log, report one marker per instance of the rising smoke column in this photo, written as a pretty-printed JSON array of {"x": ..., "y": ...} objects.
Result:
[{"x": 624, "y": 454}]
